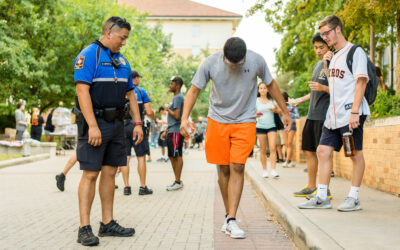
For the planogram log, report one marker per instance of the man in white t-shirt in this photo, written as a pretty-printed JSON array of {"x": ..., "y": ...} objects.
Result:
[{"x": 348, "y": 109}]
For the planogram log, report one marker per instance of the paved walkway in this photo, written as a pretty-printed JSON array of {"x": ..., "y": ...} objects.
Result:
[
  {"x": 376, "y": 226},
  {"x": 35, "y": 215}
]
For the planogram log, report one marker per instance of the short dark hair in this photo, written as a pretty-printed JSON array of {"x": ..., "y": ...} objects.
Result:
[
  {"x": 19, "y": 105},
  {"x": 332, "y": 21},
  {"x": 285, "y": 96},
  {"x": 115, "y": 21},
  {"x": 161, "y": 109},
  {"x": 135, "y": 74},
  {"x": 177, "y": 80},
  {"x": 318, "y": 38},
  {"x": 235, "y": 49}
]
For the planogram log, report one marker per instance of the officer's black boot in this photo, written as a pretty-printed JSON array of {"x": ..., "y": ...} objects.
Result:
[{"x": 86, "y": 236}]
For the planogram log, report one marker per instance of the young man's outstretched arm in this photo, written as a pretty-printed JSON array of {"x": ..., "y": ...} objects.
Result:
[{"x": 190, "y": 100}]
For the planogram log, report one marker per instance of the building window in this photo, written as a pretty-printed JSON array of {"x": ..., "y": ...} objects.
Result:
[
  {"x": 195, "y": 51},
  {"x": 196, "y": 31}
]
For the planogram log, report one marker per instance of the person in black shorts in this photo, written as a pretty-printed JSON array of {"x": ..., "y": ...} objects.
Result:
[
  {"x": 319, "y": 102},
  {"x": 103, "y": 79},
  {"x": 172, "y": 134},
  {"x": 142, "y": 149}
]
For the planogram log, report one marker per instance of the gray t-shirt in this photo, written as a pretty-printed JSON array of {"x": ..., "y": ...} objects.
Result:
[
  {"x": 234, "y": 91},
  {"x": 319, "y": 100},
  {"x": 177, "y": 103},
  {"x": 19, "y": 116}
]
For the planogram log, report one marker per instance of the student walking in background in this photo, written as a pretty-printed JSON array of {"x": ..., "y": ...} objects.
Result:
[
  {"x": 289, "y": 136},
  {"x": 36, "y": 124},
  {"x": 266, "y": 129}
]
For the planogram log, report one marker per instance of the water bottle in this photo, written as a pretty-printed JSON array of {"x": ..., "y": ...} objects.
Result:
[{"x": 348, "y": 144}]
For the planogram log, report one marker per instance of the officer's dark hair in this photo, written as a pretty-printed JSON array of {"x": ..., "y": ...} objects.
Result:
[
  {"x": 177, "y": 80},
  {"x": 19, "y": 105},
  {"x": 235, "y": 49},
  {"x": 114, "y": 22},
  {"x": 318, "y": 38},
  {"x": 332, "y": 21}
]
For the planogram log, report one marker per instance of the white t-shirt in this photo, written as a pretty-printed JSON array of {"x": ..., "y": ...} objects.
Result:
[{"x": 342, "y": 85}]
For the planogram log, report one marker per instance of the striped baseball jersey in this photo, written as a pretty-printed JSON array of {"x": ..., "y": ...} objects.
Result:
[{"x": 342, "y": 85}]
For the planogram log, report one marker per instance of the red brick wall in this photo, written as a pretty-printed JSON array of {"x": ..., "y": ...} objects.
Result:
[{"x": 381, "y": 151}]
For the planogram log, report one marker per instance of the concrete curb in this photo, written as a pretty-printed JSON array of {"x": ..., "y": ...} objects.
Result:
[
  {"x": 304, "y": 233},
  {"x": 24, "y": 160}
]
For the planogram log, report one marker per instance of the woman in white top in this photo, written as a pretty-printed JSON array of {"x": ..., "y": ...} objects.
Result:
[{"x": 266, "y": 128}]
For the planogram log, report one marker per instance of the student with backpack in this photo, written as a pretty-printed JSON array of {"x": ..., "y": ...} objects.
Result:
[{"x": 347, "y": 112}]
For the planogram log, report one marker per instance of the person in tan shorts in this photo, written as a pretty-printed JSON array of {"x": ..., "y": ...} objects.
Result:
[{"x": 231, "y": 128}]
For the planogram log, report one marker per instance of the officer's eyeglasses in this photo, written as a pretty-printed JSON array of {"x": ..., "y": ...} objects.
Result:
[
  {"x": 119, "y": 22},
  {"x": 241, "y": 62},
  {"x": 326, "y": 33}
]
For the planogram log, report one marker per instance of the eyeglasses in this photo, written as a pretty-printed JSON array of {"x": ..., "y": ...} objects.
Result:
[
  {"x": 118, "y": 22},
  {"x": 326, "y": 33},
  {"x": 241, "y": 62}
]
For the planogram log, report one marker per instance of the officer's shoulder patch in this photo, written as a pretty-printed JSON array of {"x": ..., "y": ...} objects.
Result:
[
  {"x": 122, "y": 60},
  {"x": 79, "y": 62}
]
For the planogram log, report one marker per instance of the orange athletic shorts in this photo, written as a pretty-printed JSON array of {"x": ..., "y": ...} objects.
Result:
[{"x": 225, "y": 143}]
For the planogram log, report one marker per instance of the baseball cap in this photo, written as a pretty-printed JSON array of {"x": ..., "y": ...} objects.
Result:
[{"x": 135, "y": 74}]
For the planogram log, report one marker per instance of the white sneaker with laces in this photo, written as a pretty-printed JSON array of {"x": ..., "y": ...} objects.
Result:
[
  {"x": 265, "y": 174},
  {"x": 175, "y": 186},
  {"x": 223, "y": 228},
  {"x": 291, "y": 165},
  {"x": 234, "y": 230},
  {"x": 285, "y": 165},
  {"x": 274, "y": 173}
]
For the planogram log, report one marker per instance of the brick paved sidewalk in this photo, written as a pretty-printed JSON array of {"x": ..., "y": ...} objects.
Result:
[{"x": 35, "y": 215}]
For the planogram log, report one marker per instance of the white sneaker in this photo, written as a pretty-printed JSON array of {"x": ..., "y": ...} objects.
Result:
[
  {"x": 274, "y": 173},
  {"x": 175, "y": 186},
  {"x": 285, "y": 165},
  {"x": 234, "y": 230},
  {"x": 265, "y": 174},
  {"x": 223, "y": 228},
  {"x": 291, "y": 165}
]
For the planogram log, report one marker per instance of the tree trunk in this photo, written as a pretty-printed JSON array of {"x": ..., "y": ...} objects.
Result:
[
  {"x": 397, "y": 83},
  {"x": 372, "y": 44}
]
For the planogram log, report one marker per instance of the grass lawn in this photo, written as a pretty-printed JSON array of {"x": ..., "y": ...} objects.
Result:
[{"x": 9, "y": 157}]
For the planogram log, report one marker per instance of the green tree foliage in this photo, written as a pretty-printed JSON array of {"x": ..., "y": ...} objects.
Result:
[
  {"x": 298, "y": 22},
  {"x": 40, "y": 40},
  {"x": 382, "y": 16}
]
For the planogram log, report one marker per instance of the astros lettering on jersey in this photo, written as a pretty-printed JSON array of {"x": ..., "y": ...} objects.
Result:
[{"x": 342, "y": 86}]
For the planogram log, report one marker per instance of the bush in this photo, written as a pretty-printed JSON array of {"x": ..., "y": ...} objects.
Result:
[
  {"x": 300, "y": 88},
  {"x": 386, "y": 104},
  {"x": 7, "y": 117}
]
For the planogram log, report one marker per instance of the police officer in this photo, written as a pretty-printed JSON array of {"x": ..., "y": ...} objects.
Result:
[
  {"x": 103, "y": 79},
  {"x": 142, "y": 148}
]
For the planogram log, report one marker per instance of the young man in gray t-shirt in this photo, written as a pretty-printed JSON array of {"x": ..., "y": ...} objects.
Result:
[
  {"x": 319, "y": 103},
  {"x": 172, "y": 135},
  {"x": 231, "y": 126}
]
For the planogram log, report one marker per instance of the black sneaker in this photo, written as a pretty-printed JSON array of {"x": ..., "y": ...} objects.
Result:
[
  {"x": 60, "y": 178},
  {"x": 145, "y": 190},
  {"x": 127, "y": 191},
  {"x": 86, "y": 236},
  {"x": 116, "y": 186},
  {"x": 114, "y": 229}
]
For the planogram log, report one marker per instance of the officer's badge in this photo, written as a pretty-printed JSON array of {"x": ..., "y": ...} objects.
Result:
[
  {"x": 79, "y": 62},
  {"x": 122, "y": 60}
]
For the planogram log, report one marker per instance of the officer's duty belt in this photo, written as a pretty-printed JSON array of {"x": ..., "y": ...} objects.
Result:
[{"x": 109, "y": 114}]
